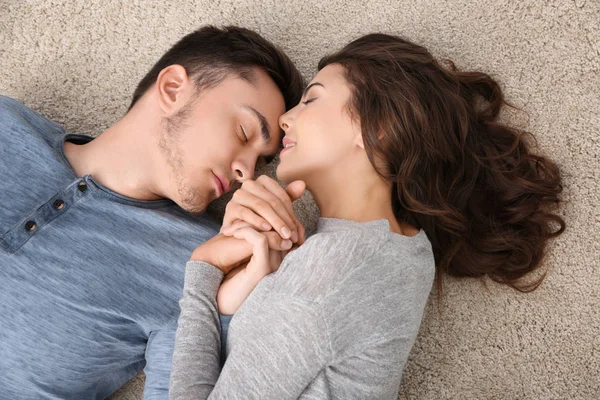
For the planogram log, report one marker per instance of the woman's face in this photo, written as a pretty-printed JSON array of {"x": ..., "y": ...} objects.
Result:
[{"x": 319, "y": 131}]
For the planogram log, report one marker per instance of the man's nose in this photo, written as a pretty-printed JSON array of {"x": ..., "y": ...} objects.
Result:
[
  {"x": 244, "y": 169},
  {"x": 242, "y": 176}
]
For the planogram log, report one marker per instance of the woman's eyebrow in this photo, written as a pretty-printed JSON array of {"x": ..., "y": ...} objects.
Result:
[{"x": 311, "y": 85}]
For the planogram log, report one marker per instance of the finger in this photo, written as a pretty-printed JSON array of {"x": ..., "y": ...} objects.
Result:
[
  {"x": 275, "y": 259},
  {"x": 260, "y": 262},
  {"x": 275, "y": 242},
  {"x": 292, "y": 192},
  {"x": 272, "y": 186},
  {"x": 238, "y": 224},
  {"x": 301, "y": 233},
  {"x": 273, "y": 194},
  {"x": 237, "y": 211},
  {"x": 295, "y": 189},
  {"x": 248, "y": 207},
  {"x": 229, "y": 251}
]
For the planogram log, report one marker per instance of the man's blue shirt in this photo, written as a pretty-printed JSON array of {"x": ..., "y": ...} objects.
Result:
[{"x": 89, "y": 280}]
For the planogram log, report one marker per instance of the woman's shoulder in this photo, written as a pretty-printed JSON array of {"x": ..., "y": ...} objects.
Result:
[
  {"x": 315, "y": 268},
  {"x": 369, "y": 249},
  {"x": 384, "y": 298},
  {"x": 396, "y": 262},
  {"x": 367, "y": 295},
  {"x": 405, "y": 255},
  {"x": 333, "y": 264}
]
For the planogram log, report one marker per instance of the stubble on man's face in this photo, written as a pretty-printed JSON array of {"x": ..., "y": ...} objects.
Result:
[{"x": 191, "y": 199}]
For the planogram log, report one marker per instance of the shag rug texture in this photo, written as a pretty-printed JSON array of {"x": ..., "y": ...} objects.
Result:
[{"x": 78, "y": 62}]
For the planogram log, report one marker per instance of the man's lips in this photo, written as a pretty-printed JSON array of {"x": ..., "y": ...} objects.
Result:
[{"x": 222, "y": 184}]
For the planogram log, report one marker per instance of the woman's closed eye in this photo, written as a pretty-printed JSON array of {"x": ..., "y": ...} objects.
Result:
[{"x": 309, "y": 101}]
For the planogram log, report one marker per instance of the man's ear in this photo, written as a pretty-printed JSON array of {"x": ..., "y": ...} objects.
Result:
[{"x": 173, "y": 88}]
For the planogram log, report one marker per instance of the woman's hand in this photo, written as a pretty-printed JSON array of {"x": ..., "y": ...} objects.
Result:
[
  {"x": 264, "y": 260},
  {"x": 265, "y": 205},
  {"x": 229, "y": 252},
  {"x": 241, "y": 281}
]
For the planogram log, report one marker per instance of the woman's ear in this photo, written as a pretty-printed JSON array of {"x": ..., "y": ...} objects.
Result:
[
  {"x": 359, "y": 141},
  {"x": 173, "y": 87},
  {"x": 357, "y": 133}
]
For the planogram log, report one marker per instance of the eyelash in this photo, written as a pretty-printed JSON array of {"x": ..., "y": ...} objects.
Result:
[
  {"x": 244, "y": 133},
  {"x": 308, "y": 101}
]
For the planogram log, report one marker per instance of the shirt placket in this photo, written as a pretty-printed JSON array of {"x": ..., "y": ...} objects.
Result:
[{"x": 33, "y": 223}]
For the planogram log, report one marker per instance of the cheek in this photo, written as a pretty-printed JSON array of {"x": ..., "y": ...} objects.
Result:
[
  {"x": 324, "y": 135},
  {"x": 208, "y": 142}
]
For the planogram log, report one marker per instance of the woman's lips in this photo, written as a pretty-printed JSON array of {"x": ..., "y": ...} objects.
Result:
[
  {"x": 288, "y": 144},
  {"x": 285, "y": 150}
]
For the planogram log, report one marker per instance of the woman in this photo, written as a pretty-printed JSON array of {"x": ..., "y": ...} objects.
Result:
[{"x": 412, "y": 172}]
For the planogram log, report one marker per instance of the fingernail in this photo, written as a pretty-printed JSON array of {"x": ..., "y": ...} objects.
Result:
[
  {"x": 286, "y": 233},
  {"x": 266, "y": 226},
  {"x": 294, "y": 236},
  {"x": 286, "y": 244}
]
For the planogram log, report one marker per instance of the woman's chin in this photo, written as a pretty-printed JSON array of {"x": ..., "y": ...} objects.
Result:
[{"x": 285, "y": 174}]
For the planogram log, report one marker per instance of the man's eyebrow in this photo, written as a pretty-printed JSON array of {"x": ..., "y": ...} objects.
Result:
[
  {"x": 264, "y": 124},
  {"x": 311, "y": 85}
]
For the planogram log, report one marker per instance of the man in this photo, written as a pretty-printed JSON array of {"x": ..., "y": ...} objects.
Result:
[{"x": 95, "y": 233}]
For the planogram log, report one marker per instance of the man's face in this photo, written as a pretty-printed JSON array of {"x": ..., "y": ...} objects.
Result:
[{"x": 218, "y": 137}]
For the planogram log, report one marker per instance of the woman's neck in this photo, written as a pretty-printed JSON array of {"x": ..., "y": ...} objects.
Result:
[{"x": 362, "y": 200}]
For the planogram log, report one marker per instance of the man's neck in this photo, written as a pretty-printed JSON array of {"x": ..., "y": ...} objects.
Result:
[{"x": 123, "y": 158}]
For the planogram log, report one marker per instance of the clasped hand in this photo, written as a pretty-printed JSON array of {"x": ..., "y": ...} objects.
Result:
[{"x": 259, "y": 228}]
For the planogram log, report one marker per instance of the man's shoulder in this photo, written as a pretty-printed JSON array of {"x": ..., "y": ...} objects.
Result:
[
  {"x": 18, "y": 119},
  {"x": 8, "y": 104}
]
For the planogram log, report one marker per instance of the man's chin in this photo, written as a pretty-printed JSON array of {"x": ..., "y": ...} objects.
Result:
[
  {"x": 193, "y": 210},
  {"x": 195, "y": 206}
]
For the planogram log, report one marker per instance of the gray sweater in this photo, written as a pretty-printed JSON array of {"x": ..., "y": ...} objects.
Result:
[{"x": 336, "y": 321}]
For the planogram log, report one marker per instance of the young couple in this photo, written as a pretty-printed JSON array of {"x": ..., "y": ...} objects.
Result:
[{"x": 413, "y": 174}]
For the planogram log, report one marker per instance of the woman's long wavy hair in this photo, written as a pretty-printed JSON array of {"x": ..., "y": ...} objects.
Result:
[{"x": 472, "y": 183}]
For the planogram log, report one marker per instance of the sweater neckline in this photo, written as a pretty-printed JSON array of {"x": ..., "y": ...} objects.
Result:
[{"x": 380, "y": 225}]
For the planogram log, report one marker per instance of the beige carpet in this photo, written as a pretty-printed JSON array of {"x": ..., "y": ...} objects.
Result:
[{"x": 78, "y": 62}]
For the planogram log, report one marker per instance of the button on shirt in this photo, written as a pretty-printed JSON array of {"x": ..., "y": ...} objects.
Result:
[{"x": 89, "y": 280}]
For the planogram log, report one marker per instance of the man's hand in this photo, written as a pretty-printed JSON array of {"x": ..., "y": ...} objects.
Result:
[
  {"x": 227, "y": 253},
  {"x": 265, "y": 205}
]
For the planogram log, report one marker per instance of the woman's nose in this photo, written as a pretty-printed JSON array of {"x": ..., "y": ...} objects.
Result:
[{"x": 284, "y": 121}]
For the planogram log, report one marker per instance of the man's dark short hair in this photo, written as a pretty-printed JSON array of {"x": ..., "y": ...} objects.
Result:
[{"x": 210, "y": 54}]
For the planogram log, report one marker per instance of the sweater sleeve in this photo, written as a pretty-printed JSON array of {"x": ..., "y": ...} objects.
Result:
[
  {"x": 284, "y": 348},
  {"x": 195, "y": 367}
]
